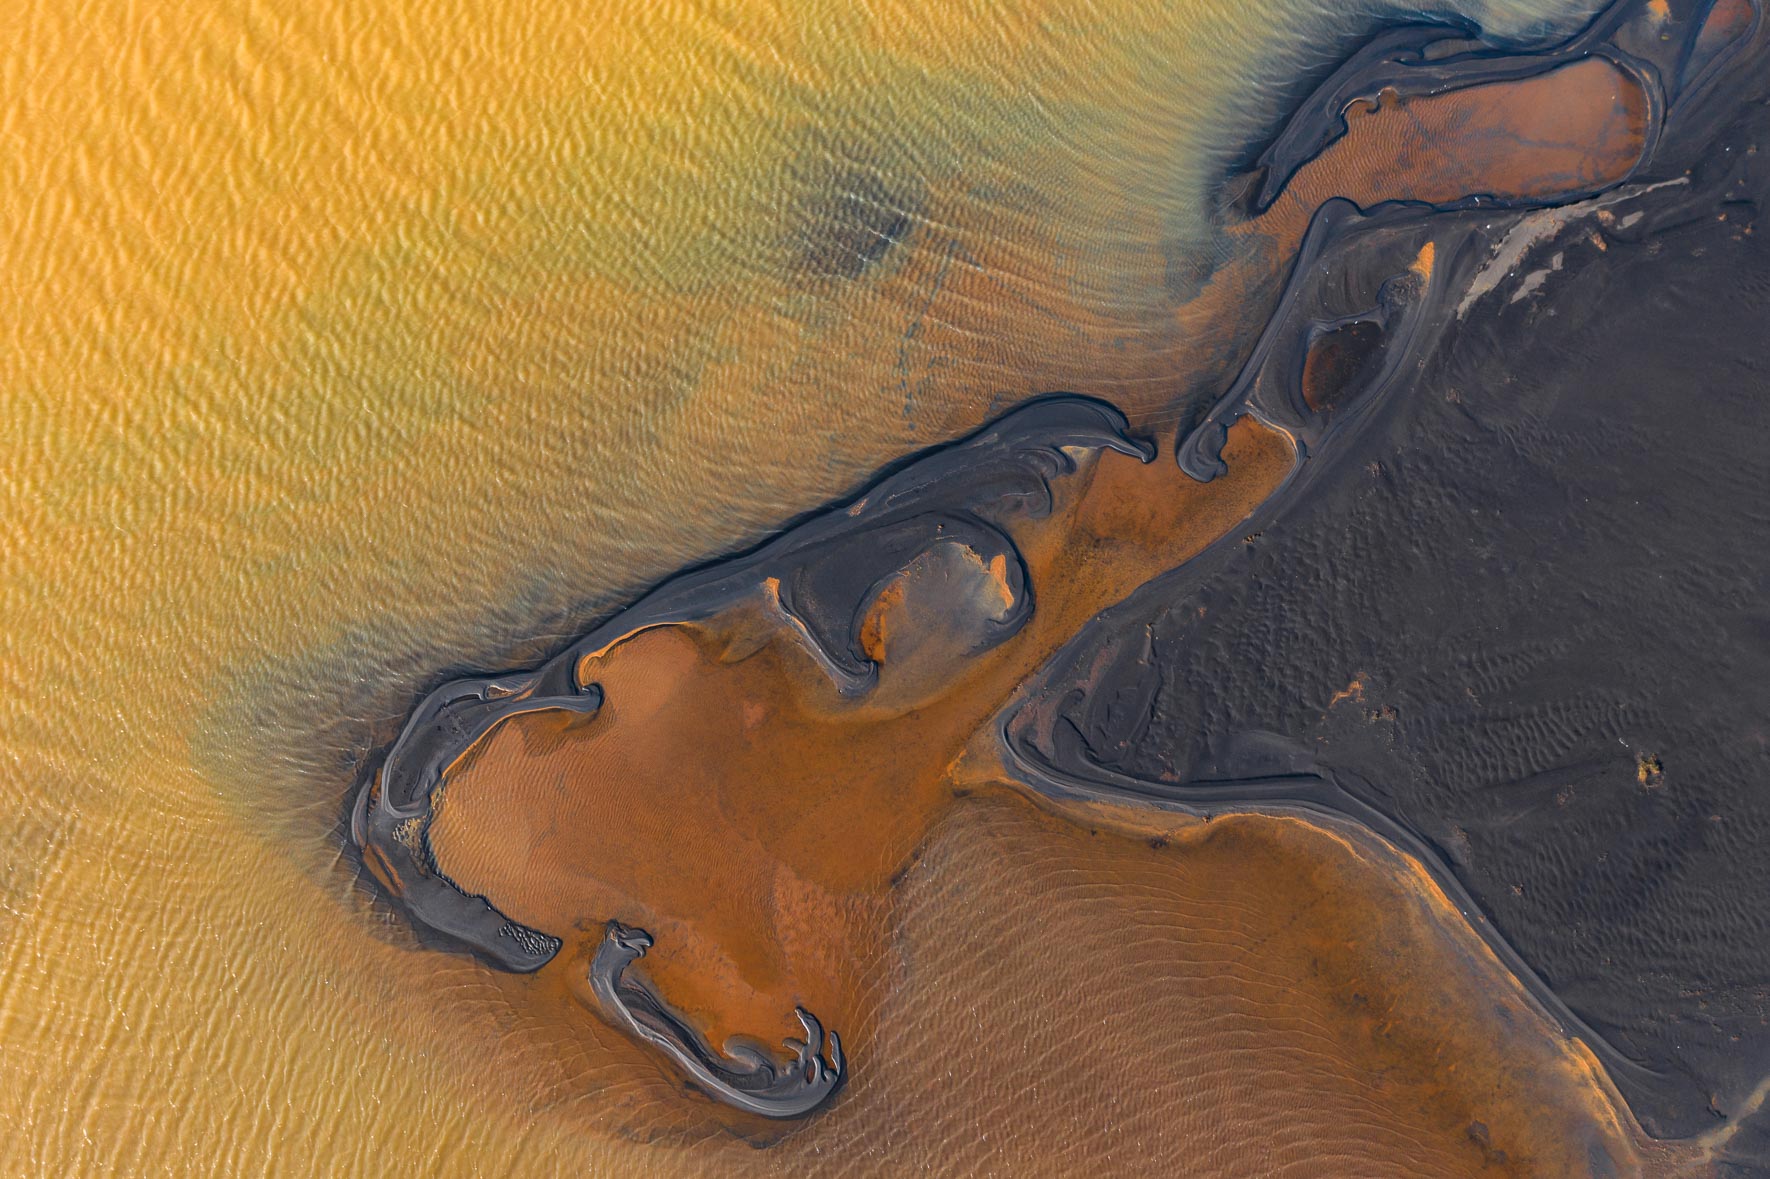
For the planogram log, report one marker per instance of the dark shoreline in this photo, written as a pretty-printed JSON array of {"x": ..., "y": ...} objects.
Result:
[
  {"x": 1311, "y": 661},
  {"x": 1374, "y": 250}
]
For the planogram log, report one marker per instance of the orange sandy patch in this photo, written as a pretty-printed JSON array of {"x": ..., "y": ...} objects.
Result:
[{"x": 731, "y": 801}]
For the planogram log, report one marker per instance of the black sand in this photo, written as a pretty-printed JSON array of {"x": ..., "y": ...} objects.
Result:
[
  {"x": 1510, "y": 612},
  {"x": 1525, "y": 618}
]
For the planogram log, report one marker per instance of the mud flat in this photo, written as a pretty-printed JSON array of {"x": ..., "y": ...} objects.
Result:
[
  {"x": 692, "y": 819},
  {"x": 1518, "y": 628}
]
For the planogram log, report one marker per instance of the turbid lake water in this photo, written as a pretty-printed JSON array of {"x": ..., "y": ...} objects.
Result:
[{"x": 346, "y": 345}]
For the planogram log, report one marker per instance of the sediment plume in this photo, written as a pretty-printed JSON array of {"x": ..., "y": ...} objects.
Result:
[{"x": 695, "y": 819}]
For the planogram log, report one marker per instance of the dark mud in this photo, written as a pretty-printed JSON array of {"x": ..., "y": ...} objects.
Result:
[
  {"x": 1517, "y": 625},
  {"x": 1506, "y": 612},
  {"x": 820, "y": 584}
]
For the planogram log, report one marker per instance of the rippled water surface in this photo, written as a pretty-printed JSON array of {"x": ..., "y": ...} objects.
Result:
[{"x": 346, "y": 345}]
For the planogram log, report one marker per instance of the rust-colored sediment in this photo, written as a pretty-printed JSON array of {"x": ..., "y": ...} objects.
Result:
[
  {"x": 728, "y": 799},
  {"x": 1728, "y": 21},
  {"x": 1250, "y": 996},
  {"x": 1562, "y": 132},
  {"x": 1335, "y": 360},
  {"x": 1572, "y": 129},
  {"x": 1110, "y": 987}
]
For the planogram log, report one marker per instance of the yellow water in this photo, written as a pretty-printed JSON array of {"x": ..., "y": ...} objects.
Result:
[{"x": 345, "y": 343}]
